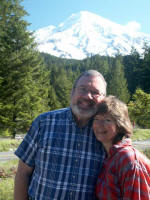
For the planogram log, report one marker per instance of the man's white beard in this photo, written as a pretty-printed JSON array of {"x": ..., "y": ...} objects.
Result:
[{"x": 83, "y": 114}]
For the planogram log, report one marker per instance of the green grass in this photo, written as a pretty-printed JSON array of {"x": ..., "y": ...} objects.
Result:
[
  {"x": 7, "y": 174},
  {"x": 9, "y": 144},
  {"x": 6, "y": 189},
  {"x": 141, "y": 134}
]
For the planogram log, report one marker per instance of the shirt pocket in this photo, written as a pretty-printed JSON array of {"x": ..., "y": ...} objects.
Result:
[{"x": 51, "y": 149}]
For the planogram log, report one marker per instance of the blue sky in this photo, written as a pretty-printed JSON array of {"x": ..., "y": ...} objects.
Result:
[{"x": 52, "y": 12}]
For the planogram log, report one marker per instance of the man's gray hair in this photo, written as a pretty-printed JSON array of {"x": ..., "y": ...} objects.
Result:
[{"x": 90, "y": 73}]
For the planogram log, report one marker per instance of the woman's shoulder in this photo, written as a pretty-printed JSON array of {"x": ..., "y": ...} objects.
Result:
[
  {"x": 130, "y": 156},
  {"x": 126, "y": 154},
  {"x": 124, "y": 150}
]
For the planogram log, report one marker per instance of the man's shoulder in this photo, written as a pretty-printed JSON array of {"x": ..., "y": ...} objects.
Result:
[
  {"x": 52, "y": 116},
  {"x": 63, "y": 112}
]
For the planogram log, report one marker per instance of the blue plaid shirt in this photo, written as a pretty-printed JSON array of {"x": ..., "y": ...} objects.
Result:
[{"x": 66, "y": 159}]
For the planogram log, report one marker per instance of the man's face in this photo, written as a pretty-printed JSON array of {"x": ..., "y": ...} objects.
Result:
[{"x": 86, "y": 96}]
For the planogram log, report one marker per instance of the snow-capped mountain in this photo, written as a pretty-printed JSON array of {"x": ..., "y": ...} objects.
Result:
[{"x": 84, "y": 34}]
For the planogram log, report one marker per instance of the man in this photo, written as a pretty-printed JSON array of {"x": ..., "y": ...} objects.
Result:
[{"x": 60, "y": 157}]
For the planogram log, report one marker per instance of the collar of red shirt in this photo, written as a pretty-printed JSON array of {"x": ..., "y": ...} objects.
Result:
[{"x": 123, "y": 143}]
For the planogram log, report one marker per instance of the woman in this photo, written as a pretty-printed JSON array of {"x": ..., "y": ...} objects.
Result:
[{"x": 126, "y": 171}]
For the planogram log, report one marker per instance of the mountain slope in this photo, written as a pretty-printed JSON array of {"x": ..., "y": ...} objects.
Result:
[{"x": 84, "y": 34}]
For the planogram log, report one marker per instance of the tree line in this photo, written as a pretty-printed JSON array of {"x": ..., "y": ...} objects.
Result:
[{"x": 33, "y": 82}]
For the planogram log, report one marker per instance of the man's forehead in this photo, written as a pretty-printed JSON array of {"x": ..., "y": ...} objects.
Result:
[{"x": 84, "y": 80}]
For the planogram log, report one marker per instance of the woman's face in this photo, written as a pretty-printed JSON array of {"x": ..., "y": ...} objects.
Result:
[{"x": 105, "y": 128}]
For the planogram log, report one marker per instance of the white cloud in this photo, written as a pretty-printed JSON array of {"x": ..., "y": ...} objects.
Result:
[{"x": 133, "y": 26}]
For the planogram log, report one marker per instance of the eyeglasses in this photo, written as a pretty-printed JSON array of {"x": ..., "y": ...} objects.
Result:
[{"x": 84, "y": 91}]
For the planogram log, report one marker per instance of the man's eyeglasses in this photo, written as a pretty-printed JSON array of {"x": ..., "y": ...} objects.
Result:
[{"x": 84, "y": 91}]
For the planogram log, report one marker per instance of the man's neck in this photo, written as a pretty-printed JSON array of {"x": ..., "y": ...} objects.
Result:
[{"x": 81, "y": 122}]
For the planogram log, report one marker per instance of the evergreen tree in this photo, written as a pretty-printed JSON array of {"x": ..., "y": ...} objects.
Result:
[
  {"x": 53, "y": 102},
  {"x": 139, "y": 108},
  {"x": 145, "y": 70},
  {"x": 24, "y": 78},
  {"x": 100, "y": 64},
  {"x": 117, "y": 84},
  {"x": 0, "y": 92},
  {"x": 132, "y": 67},
  {"x": 61, "y": 85}
]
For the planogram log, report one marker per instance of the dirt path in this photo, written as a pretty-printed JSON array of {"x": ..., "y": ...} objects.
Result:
[
  {"x": 7, "y": 156},
  {"x": 141, "y": 144}
]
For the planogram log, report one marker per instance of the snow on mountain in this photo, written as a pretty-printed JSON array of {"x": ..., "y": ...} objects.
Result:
[{"x": 84, "y": 34}]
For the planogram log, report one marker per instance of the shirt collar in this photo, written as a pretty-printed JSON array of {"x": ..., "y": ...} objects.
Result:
[
  {"x": 123, "y": 143},
  {"x": 70, "y": 115}
]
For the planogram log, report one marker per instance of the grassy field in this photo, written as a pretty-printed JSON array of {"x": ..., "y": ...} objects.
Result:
[{"x": 141, "y": 134}]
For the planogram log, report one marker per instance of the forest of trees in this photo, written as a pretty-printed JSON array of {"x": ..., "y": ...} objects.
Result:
[{"x": 33, "y": 82}]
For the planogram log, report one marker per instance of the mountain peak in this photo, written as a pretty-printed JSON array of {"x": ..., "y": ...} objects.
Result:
[{"x": 85, "y": 33}]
